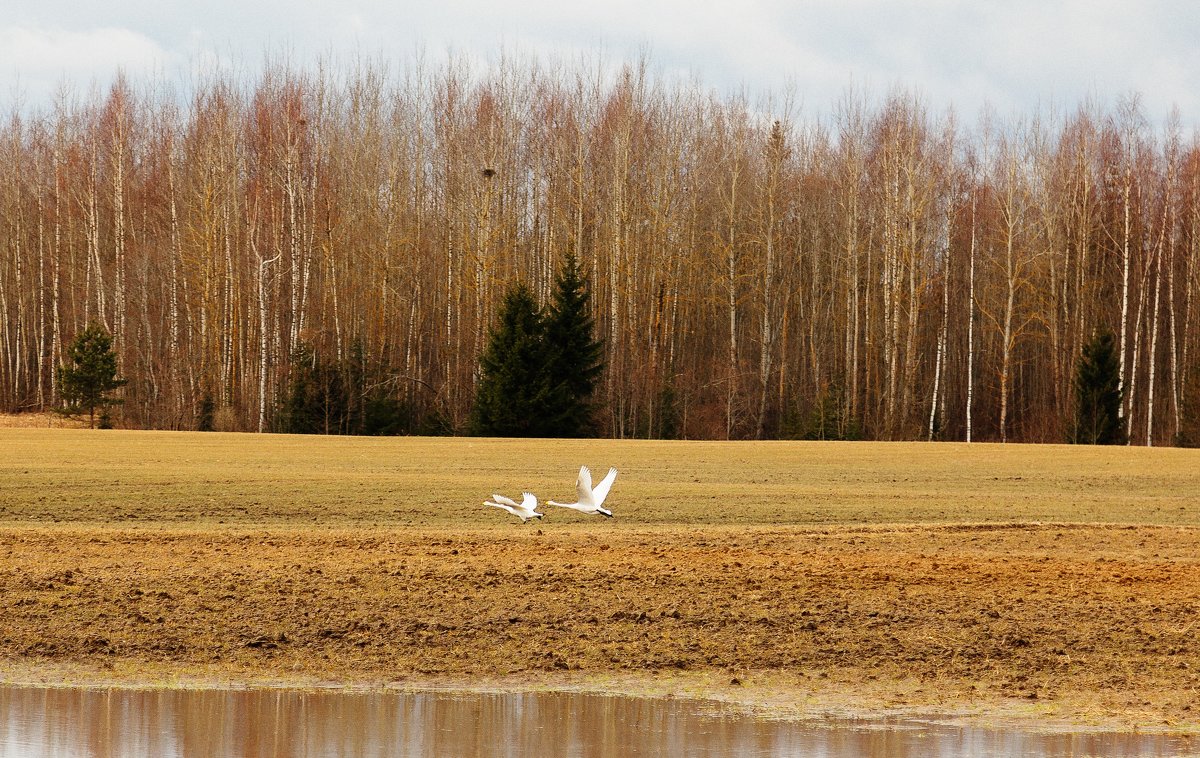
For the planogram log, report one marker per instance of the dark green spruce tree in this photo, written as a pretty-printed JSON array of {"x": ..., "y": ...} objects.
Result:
[
  {"x": 301, "y": 411},
  {"x": 316, "y": 399},
  {"x": 1098, "y": 394},
  {"x": 90, "y": 374},
  {"x": 513, "y": 397},
  {"x": 574, "y": 355},
  {"x": 206, "y": 413},
  {"x": 350, "y": 395}
]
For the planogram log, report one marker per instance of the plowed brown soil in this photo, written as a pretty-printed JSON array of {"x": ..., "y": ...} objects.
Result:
[
  {"x": 1094, "y": 623},
  {"x": 1087, "y": 622}
]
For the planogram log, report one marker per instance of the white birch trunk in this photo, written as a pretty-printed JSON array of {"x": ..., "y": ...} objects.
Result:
[
  {"x": 1151, "y": 359},
  {"x": 40, "y": 314},
  {"x": 1007, "y": 338},
  {"x": 1189, "y": 288},
  {"x": 765, "y": 330},
  {"x": 173, "y": 352},
  {"x": 971, "y": 320},
  {"x": 56, "y": 286},
  {"x": 263, "y": 341},
  {"x": 1172, "y": 244},
  {"x": 119, "y": 304},
  {"x": 1125, "y": 262},
  {"x": 942, "y": 339},
  {"x": 17, "y": 356},
  {"x": 1137, "y": 347},
  {"x": 291, "y": 198},
  {"x": 95, "y": 267}
]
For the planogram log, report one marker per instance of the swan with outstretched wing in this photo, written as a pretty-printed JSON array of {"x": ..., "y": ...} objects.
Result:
[
  {"x": 524, "y": 510},
  {"x": 590, "y": 500}
]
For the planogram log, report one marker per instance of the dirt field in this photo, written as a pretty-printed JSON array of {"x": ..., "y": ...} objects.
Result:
[{"x": 1028, "y": 582}]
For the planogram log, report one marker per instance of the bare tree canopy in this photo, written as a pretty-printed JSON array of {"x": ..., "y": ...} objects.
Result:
[{"x": 753, "y": 272}]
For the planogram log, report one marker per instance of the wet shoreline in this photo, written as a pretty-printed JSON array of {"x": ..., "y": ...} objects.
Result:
[
  {"x": 279, "y": 721},
  {"x": 767, "y": 695}
]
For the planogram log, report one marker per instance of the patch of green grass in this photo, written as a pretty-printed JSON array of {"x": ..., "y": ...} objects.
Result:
[{"x": 49, "y": 475}]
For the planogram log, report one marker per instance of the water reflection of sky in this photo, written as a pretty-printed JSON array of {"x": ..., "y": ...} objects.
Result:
[{"x": 45, "y": 723}]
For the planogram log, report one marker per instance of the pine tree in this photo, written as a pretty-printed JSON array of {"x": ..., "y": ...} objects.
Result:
[
  {"x": 328, "y": 396},
  {"x": 1098, "y": 394},
  {"x": 90, "y": 375},
  {"x": 302, "y": 411},
  {"x": 206, "y": 414},
  {"x": 575, "y": 356},
  {"x": 513, "y": 397}
]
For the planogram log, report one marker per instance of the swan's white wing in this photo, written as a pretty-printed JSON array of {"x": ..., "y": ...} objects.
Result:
[
  {"x": 502, "y": 506},
  {"x": 529, "y": 502},
  {"x": 505, "y": 500},
  {"x": 583, "y": 485},
  {"x": 601, "y": 490}
]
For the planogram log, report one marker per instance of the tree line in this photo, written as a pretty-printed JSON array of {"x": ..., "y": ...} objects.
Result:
[{"x": 874, "y": 271}]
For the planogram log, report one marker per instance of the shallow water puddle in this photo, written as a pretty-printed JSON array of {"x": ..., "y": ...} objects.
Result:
[{"x": 269, "y": 723}]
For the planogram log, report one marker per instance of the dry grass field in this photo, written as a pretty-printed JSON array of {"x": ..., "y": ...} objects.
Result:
[
  {"x": 1037, "y": 582},
  {"x": 117, "y": 477}
]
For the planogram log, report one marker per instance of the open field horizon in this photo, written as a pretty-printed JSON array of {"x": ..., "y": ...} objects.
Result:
[{"x": 1041, "y": 583}]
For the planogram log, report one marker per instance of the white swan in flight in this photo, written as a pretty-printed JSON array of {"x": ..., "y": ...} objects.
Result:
[
  {"x": 524, "y": 510},
  {"x": 591, "y": 500}
]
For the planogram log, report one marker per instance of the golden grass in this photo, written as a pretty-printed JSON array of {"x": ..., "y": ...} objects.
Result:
[{"x": 117, "y": 476}]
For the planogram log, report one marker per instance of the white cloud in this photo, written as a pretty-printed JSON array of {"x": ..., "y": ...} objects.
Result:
[
  {"x": 1016, "y": 54},
  {"x": 39, "y": 60}
]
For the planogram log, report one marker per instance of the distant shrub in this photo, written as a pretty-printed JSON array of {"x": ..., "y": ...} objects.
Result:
[{"x": 225, "y": 419}]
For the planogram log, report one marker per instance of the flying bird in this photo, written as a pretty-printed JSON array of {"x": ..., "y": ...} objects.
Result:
[
  {"x": 591, "y": 500},
  {"x": 524, "y": 510}
]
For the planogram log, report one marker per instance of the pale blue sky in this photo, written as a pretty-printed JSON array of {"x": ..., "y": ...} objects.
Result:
[{"x": 1018, "y": 55}]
